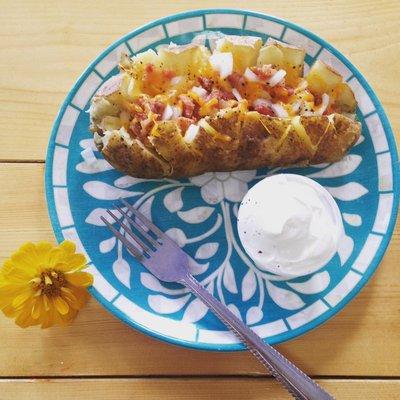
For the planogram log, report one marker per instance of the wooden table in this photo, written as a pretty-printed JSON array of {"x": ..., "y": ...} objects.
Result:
[{"x": 44, "y": 46}]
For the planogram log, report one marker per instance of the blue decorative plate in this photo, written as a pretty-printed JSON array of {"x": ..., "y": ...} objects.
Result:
[{"x": 200, "y": 212}]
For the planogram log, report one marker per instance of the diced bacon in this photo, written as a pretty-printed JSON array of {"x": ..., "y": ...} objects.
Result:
[
  {"x": 281, "y": 92},
  {"x": 188, "y": 106},
  {"x": 236, "y": 80},
  {"x": 219, "y": 94},
  {"x": 265, "y": 72},
  {"x": 140, "y": 128},
  {"x": 141, "y": 101},
  {"x": 263, "y": 107},
  {"x": 317, "y": 99},
  {"x": 146, "y": 124},
  {"x": 184, "y": 123},
  {"x": 149, "y": 68},
  {"x": 135, "y": 128},
  {"x": 290, "y": 90},
  {"x": 141, "y": 116},
  {"x": 206, "y": 83},
  {"x": 157, "y": 107},
  {"x": 168, "y": 74}
]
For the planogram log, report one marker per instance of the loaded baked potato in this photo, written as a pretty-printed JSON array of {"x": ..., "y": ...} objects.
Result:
[{"x": 184, "y": 111}]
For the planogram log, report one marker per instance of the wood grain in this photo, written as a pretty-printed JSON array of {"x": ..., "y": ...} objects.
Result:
[
  {"x": 361, "y": 341},
  {"x": 183, "y": 389},
  {"x": 44, "y": 49}
]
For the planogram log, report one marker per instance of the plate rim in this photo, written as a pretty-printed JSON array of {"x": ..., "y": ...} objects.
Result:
[{"x": 283, "y": 337}]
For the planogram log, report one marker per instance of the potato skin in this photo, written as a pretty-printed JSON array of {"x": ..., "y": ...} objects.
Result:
[
  {"x": 133, "y": 159},
  {"x": 256, "y": 141}
]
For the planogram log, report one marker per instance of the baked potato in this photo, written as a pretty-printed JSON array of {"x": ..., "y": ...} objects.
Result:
[{"x": 183, "y": 110}]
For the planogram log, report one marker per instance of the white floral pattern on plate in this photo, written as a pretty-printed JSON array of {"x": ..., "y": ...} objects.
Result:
[{"x": 222, "y": 191}]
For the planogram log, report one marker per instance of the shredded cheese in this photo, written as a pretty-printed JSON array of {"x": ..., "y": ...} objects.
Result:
[
  {"x": 213, "y": 132},
  {"x": 301, "y": 132}
]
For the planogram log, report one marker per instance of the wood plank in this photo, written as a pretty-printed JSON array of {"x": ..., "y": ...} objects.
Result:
[
  {"x": 43, "y": 50},
  {"x": 361, "y": 341},
  {"x": 182, "y": 389}
]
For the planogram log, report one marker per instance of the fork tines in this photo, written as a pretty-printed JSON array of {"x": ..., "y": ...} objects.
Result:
[{"x": 145, "y": 244}]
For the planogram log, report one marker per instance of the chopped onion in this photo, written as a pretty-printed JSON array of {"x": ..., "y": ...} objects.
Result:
[
  {"x": 199, "y": 91},
  {"x": 176, "y": 80},
  {"x": 303, "y": 85},
  {"x": 131, "y": 87},
  {"x": 168, "y": 113},
  {"x": 236, "y": 93},
  {"x": 191, "y": 133},
  {"x": 279, "y": 110},
  {"x": 106, "y": 138},
  {"x": 261, "y": 103},
  {"x": 177, "y": 112},
  {"x": 296, "y": 107},
  {"x": 277, "y": 77},
  {"x": 324, "y": 105},
  {"x": 223, "y": 63},
  {"x": 251, "y": 76}
]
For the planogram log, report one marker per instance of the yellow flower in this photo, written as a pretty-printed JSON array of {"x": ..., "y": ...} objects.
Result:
[{"x": 44, "y": 285}]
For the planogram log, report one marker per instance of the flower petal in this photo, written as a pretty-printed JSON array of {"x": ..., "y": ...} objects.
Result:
[
  {"x": 80, "y": 279},
  {"x": 235, "y": 190},
  {"x": 76, "y": 261},
  {"x": 47, "y": 319},
  {"x": 7, "y": 267},
  {"x": 46, "y": 303},
  {"x": 21, "y": 298},
  {"x": 37, "y": 308},
  {"x": 24, "y": 319},
  {"x": 66, "y": 319},
  {"x": 69, "y": 296},
  {"x": 81, "y": 296},
  {"x": 68, "y": 246},
  {"x": 201, "y": 180},
  {"x": 25, "y": 261},
  {"x": 42, "y": 251},
  {"x": 61, "y": 305},
  {"x": 245, "y": 176},
  {"x": 9, "y": 311},
  {"x": 222, "y": 176},
  {"x": 55, "y": 257},
  {"x": 212, "y": 192}
]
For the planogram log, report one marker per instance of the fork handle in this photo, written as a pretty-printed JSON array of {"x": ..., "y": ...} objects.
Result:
[{"x": 298, "y": 384}]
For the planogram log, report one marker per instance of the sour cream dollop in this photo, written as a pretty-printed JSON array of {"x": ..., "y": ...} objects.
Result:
[{"x": 289, "y": 225}]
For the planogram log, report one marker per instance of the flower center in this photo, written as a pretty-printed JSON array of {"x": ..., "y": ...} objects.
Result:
[{"x": 50, "y": 282}]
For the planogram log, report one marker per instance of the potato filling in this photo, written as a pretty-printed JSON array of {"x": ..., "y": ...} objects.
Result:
[{"x": 188, "y": 83}]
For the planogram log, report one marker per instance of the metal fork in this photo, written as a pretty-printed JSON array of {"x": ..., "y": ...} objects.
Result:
[{"x": 169, "y": 263}]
